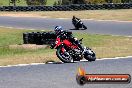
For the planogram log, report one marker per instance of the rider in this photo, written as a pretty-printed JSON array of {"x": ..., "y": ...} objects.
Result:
[
  {"x": 75, "y": 20},
  {"x": 64, "y": 34}
]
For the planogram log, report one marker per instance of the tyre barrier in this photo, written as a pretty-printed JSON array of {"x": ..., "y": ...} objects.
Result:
[
  {"x": 39, "y": 38},
  {"x": 71, "y": 7}
]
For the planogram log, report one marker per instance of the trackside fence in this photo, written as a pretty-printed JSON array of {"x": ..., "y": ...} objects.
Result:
[{"x": 73, "y": 7}]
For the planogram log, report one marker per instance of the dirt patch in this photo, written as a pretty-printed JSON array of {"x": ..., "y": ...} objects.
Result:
[
  {"x": 19, "y": 14},
  {"x": 28, "y": 46},
  {"x": 121, "y": 15}
]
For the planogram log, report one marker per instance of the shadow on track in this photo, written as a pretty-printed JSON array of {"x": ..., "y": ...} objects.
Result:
[
  {"x": 77, "y": 29},
  {"x": 53, "y": 62}
]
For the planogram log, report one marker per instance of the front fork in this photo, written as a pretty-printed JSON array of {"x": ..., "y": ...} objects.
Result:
[{"x": 63, "y": 50}]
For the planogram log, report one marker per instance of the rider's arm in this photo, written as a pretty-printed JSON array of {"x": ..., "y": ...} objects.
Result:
[
  {"x": 77, "y": 18},
  {"x": 52, "y": 45}
]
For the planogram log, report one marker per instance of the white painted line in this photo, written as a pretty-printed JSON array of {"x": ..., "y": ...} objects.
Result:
[
  {"x": 71, "y": 18},
  {"x": 31, "y": 64},
  {"x": 50, "y": 62},
  {"x": 84, "y": 60},
  {"x": 42, "y": 30},
  {"x": 36, "y": 63},
  {"x": 98, "y": 20},
  {"x": 63, "y": 18},
  {"x": 20, "y": 28},
  {"x": 31, "y": 29},
  {"x": 2, "y": 26},
  {"x": 114, "y": 21},
  {"x": 112, "y": 58},
  {"x": 22, "y": 65},
  {"x": 115, "y": 58},
  {"x": 17, "y": 28},
  {"x": 9, "y": 27}
]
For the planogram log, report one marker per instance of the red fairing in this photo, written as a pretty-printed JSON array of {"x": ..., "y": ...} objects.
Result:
[
  {"x": 66, "y": 42},
  {"x": 69, "y": 44}
]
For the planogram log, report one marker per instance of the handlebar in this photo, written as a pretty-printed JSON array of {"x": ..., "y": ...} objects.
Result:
[{"x": 81, "y": 39}]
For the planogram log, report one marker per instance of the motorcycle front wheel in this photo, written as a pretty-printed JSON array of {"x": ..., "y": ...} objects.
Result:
[
  {"x": 84, "y": 27},
  {"x": 90, "y": 55},
  {"x": 63, "y": 56}
]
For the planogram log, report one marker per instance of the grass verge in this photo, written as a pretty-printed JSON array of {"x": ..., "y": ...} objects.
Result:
[
  {"x": 103, "y": 45},
  {"x": 121, "y": 15},
  {"x": 23, "y": 2},
  {"x": 6, "y": 3}
]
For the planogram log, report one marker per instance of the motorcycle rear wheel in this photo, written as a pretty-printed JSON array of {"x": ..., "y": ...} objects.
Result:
[
  {"x": 64, "y": 58},
  {"x": 90, "y": 57}
]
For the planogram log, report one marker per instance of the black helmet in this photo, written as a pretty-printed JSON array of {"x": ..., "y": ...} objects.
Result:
[
  {"x": 74, "y": 17},
  {"x": 58, "y": 29}
]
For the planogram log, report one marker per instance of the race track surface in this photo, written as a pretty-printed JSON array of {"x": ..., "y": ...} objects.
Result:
[
  {"x": 94, "y": 27},
  {"x": 62, "y": 75}
]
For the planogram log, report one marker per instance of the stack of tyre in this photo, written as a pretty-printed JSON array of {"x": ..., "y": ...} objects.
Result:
[
  {"x": 71, "y": 7},
  {"x": 39, "y": 38}
]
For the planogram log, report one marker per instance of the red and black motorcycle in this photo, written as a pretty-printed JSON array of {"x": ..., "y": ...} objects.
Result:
[{"x": 69, "y": 52}]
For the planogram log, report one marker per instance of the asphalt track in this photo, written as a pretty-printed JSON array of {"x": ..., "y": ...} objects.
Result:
[
  {"x": 64, "y": 75},
  {"x": 94, "y": 27}
]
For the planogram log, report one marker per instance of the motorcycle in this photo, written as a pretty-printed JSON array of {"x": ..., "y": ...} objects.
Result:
[
  {"x": 69, "y": 52},
  {"x": 78, "y": 24}
]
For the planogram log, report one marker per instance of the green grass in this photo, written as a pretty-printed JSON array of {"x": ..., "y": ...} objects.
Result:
[
  {"x": 51, "y": 2},
  {"x": 12, "y": 37},
  {"x": 6, "y": 3},
  {"x": 91, "y": 40},
  {"x": 103, "y": 45},
  {"x": 22, "y": 2}
]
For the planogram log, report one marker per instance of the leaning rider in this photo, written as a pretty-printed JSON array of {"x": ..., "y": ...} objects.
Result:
[
  {"x": 75, "y": 20},
  {"x": 64, "y": 34}
]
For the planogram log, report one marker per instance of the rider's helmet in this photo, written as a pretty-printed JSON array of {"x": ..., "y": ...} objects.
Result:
[
  {"x": 74, "y": 17},
  {"x": 58, "y": 29}
]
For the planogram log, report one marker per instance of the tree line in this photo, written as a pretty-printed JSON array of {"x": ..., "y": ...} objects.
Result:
[
  {"x": 63, "y": 2},
  {"x": 67, "y": 2}
]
